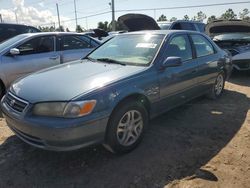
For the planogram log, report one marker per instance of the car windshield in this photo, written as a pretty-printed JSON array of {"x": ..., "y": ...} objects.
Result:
[
  {"x": 133, "y": 49},
  {"x": 9, "y": 42},
  {"x": 164, "y": 26},
  {"x": 233, "y": 36}
]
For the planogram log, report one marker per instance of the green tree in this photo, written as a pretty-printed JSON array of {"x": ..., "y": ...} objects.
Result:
[
  {"x": 173, "y": 19},
  {"x": 61, "y": 28},
  {"x": 229, "y": 15},
  {"x": 103, "y": 25},
  {"x": 162, "y": 18},
  {"x": 211, "y": 19},
  {"x": 200, "y": 17},
  {"x": 186, "y": 17},
  {"x": 244, "y": 15},
  {"x": 46, "y": 28},
  {"x": 79, "y": 29}
]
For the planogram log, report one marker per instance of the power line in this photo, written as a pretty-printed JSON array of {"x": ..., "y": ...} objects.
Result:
[{"x": 183, "y": 7}]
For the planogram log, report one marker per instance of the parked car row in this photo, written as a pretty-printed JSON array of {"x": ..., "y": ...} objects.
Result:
[{"x": 106, "y": 92}]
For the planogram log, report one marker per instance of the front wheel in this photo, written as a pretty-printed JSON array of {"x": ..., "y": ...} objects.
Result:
[
  {"x": 126, "y": 127},
  {"x": 218, "y": 87}
]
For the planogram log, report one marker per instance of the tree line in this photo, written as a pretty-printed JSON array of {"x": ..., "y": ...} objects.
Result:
[{"x": 200, "y": 17}]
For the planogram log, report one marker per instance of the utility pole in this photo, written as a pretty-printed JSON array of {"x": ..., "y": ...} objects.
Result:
[
  {"x": 75, "y": 12},
  {"x": 113, "y": 14},
  {"x": 1, "y": 19},
  {"x": 58, "y": 15},
  {"x": 87, "y": 27},
  {"x": 16, "y": 17}
]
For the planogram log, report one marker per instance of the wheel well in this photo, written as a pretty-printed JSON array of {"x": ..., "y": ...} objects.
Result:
[
  {"x": 225, "y": 73},
  {"x": 135, "y": 97}
]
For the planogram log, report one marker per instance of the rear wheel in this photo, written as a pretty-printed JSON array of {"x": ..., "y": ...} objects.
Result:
[
  {"x": 218, "y": 87},
  {"x": 126, "y": 127}
]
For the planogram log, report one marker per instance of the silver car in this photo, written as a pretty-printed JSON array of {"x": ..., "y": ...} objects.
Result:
[{"x": 27, "y": 53}]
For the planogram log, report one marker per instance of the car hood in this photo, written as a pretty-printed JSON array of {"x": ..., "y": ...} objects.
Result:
[
  {"x": 138, "y": 22},
  {"x": 65, "y": 82},
  {"x": 227, "y": 26}
]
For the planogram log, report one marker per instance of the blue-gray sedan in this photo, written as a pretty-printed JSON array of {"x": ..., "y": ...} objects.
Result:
[{"x": 109, "y": 96}]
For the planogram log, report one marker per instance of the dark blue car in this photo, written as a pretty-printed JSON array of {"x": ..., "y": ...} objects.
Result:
[{"x": 109, "y": 96}]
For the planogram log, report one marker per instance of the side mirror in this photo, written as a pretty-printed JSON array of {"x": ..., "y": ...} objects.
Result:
[
  {"x": 14, "y": 51},
  {"x": 172, "y": 62}
]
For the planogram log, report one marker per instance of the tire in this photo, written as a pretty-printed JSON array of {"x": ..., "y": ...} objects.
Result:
[
  {"x": 126, "y": 127},
  {"x": 218, "y": 87}
]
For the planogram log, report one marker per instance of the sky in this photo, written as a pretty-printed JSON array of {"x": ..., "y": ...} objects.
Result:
[{"x": 43, "y": 12}]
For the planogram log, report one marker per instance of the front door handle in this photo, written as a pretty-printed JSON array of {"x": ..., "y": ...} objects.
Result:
[{"x": 54, "y": 57}]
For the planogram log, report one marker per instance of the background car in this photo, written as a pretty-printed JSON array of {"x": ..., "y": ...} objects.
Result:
[
  {"x": 234, "y": 36},
  {"x": 8, "y": 30},
  {"x": 109, "y": 96},
  {"x": 183, "y": 25},
  {"x": 27, "y": 53}
]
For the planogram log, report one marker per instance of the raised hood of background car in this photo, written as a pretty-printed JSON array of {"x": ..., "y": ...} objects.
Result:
[
  {"x": 138, "y": 22},
  {"x": 227, "y": 26}
]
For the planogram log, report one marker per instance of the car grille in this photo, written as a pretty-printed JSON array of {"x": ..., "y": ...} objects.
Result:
[{"x": 15, "y": 103}]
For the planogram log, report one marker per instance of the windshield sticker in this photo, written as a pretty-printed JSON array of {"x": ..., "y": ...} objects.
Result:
[{"x": 146, "y": 45}]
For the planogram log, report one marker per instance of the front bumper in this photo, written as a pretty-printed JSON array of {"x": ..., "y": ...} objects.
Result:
[{"x": 57, "y": 134}]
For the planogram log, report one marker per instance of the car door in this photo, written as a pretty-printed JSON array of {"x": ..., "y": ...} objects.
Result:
[
  {"x": 35, "y": 54},
  {"x": 74, "y": 47},
  {"x": 207, "y": 59},
  {"x": 178, "y": 84}
]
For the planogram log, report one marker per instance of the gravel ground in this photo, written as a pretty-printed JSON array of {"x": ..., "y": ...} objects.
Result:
[{"x": 204, "y": 143}]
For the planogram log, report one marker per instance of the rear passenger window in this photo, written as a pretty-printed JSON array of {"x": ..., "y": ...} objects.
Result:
[
  {"x": 202, "y": 46},
  {"x": 75, "y": 42},
  {"x": 179, "y": 46}
]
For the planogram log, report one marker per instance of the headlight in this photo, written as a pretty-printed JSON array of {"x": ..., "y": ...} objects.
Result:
[{"x": 63, "y": 109}]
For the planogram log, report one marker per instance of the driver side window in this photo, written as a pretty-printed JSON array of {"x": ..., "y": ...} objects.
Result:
[
  {"x": 179, "y": 46},
  {"x": 37, "y": 45}
]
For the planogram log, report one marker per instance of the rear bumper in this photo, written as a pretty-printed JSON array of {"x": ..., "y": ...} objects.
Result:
[{"x": 56, "y": 134}]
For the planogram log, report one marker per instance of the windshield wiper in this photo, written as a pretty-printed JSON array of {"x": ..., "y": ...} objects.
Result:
[
  {"x": 108, "y": 60},
  {"x": 91, "y": 59}
]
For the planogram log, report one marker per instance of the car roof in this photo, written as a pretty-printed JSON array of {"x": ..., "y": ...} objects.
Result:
[
  {"x": 15, "y": 24},
  {"x": 162, "y": 32},
  {"x": 52, "y": 33},
  {"x": 26, "y": 35}
]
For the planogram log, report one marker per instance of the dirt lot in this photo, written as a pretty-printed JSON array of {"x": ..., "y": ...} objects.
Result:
[{"x": 201, "y": 144}]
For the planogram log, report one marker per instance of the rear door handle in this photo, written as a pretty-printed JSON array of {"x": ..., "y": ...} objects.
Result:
[{"x": 54, "y": 57}]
